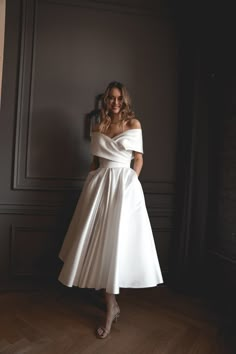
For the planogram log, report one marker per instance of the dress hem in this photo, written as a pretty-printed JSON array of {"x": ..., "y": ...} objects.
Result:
[{"x": 115, "y": 293}]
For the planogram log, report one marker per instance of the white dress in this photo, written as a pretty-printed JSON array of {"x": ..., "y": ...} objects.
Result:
[{"x": 109, "y": 243}]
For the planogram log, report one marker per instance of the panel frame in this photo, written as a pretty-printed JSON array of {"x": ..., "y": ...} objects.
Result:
[{"x": 21, "y": 180}]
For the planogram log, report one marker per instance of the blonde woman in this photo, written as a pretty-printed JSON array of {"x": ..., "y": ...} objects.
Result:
[{"x": 109, "y": 244}]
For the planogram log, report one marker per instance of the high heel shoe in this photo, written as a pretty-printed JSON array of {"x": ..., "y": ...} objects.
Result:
[{"x": 106, "y": 332}]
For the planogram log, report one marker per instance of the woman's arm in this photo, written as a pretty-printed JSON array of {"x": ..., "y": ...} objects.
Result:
[
  {"x": 94, "y": 164},
  {"x": 95, "y": 161},
  {"x": 138, "y": 162},
  {"x": 138, "y": 157}
]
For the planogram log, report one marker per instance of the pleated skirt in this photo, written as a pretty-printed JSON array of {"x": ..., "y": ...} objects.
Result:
[{"x": 109, "y": 243}]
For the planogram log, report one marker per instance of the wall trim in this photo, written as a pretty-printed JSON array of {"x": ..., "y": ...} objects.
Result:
[
  {"x": 222, "y": 256},
  {"x": 146, "y": 8},
  {"x": 22, "y": 181},
  {"x": 29, "y": 209}
]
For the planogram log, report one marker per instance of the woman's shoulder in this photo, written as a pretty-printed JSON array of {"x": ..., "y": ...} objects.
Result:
[
  {"x": 134, "y": 123},
  {"x": 95, "y": 128}
]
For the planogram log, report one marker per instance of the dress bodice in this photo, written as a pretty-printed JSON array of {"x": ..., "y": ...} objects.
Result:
[{"x": 120, "y": 148}]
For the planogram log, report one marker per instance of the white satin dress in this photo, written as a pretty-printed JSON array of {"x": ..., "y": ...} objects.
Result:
[{"x": 109, "y": 243}]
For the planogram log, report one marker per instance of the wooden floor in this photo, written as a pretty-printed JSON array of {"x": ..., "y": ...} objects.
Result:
[{"x": 152, "y": 321}]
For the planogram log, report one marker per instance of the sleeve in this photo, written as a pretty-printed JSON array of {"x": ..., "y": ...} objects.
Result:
[{"x": 134, "y": 141}]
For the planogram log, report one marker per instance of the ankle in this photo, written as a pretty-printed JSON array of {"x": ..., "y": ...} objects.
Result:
[{"x": 111, "y": 306}]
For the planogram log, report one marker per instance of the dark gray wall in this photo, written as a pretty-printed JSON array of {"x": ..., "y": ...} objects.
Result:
[
  {"x": 204, "y": 242},
  {"x": 58, "y": 56}
]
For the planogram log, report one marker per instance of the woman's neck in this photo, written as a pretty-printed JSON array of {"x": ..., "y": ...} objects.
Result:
[{"x": 115, "y": 118}]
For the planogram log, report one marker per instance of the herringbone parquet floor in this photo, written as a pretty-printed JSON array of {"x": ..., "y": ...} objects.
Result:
[{"x": 63, "y": 321}]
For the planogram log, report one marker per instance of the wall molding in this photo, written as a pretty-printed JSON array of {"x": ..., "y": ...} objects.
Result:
[
  {"x": 29, "y": 209},
  {"x": 221, "y": 255},
  {"x": 159, "y": 204},
  {"x": 21, "y": 178},
  {"x": 144, "y": 8}
]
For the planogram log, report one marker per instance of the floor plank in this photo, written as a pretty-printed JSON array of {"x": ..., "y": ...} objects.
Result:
[{"x": 152, "y": 321}]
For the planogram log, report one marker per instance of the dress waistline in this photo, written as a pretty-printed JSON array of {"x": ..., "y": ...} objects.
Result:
[{"x": 104, "y": 163}]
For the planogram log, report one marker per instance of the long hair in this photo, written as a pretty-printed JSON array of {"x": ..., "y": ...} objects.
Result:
[{"x": 126, "y": 112}]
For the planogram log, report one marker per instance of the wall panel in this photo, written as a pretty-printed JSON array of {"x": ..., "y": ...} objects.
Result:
[{"x": 59, "y": 56}]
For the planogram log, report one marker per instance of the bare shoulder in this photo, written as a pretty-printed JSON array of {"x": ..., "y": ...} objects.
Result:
[
  {"x": 135, "y": 124},
  {"x": 95, "y": 128}
]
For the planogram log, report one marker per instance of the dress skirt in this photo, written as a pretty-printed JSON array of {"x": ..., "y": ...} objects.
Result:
[{"x": 109, "y": 243}]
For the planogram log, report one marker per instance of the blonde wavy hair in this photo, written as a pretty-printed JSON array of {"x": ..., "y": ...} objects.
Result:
[{"x": 126, "y": 112}]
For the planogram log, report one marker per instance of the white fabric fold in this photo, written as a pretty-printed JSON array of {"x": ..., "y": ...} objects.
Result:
[
  {"x": 120, "y": 148},
  {"x": 109, "y": 243}
]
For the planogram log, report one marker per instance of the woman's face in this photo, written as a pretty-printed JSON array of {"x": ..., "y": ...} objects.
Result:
[{"x": 114, "y": 101}]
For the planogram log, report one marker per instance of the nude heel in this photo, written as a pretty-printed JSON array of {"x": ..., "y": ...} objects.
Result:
[
  {"x": 105, "y": 332},
  {"x": 115, "y": 319}
]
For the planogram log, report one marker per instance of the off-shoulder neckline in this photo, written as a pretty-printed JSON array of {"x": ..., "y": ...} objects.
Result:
[{"x": 117, "y": 135}]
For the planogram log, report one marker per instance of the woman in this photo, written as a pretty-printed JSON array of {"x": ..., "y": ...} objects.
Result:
[{"x": 109, "y": 243}]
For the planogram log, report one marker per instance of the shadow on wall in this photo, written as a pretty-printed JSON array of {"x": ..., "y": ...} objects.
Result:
[
  {"x": 59, "y": 143},
  {"x": 71, "y": 197},
  {"x": 93, "y": 117},
  {"x": 58, "y": 146}
]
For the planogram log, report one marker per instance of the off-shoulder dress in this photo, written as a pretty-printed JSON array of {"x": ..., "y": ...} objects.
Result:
[{"x": 109, "y": 243}]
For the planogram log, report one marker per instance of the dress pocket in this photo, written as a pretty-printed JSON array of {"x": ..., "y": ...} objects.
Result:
[
  {"x": 93, "y": 172},
  {"x": 134, "y": 173}
]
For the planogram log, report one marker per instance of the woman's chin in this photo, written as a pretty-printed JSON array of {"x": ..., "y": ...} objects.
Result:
[{"x": 115, "y": 111}]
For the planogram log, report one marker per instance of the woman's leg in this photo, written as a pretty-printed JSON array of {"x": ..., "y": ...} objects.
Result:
[
  {"x": 112, "y": 311},
  {"x": 110, "y": 300}
]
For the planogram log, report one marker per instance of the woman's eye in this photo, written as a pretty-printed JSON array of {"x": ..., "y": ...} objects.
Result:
[{"x": 111, "y": 98}]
